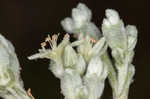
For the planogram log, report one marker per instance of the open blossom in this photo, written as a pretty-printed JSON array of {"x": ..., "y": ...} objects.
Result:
[
  {"x": 76, "y": 68},
  {"x": 81, "y": 22},
  {"x": 55, "y": 54}
]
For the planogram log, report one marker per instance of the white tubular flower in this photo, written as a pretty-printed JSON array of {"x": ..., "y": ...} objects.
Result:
[
  {"x": 70, "y": 57},
  {"x": 80, "y": 65},
  {"x": 11, "y": 86},
  {"x": 55, "y": 54},
  {"x": 91, "y": 47},
  {"x": 81, "y": 22}
]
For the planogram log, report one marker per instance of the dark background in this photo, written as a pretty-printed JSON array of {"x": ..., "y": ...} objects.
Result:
[{"x": 27, "y": 22}]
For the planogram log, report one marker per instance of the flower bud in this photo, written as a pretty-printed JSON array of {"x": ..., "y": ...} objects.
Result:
[
  {"x": 70, "y": 56},
  {"x": 68, "y": 25},
  {"x": 81, "y": 65},
  {"x": 95, "y": 67},
  {"x": 114, "y": 31},
  {"x": 132, "y": 36},
  {"x": 81, "y": 14}
]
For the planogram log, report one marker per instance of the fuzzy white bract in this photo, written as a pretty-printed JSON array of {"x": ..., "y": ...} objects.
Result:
[
  {"x": 81, "y": 22},
  {"x": 11, "y": 86}
]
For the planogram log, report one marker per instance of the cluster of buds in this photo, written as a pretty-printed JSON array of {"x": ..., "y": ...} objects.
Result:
[
  {"x": 11, "y": 85},
  {"x": 80, "y": 23},
  {"x": 122, "y": 41}
]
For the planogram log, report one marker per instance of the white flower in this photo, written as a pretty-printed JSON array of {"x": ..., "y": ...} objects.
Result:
[
  {"x": 70, "y": 57},
  {"x": 112, "y": 16},
  {"x": 81, "y": 15},
  {"x": 89, "y": 49},
  {"x": 80, "y": 65},
  {"x": 55, "y": 54}
]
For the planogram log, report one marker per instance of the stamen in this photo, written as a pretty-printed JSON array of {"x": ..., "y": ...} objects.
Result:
[
  {"x": 93, "y": 40},
  {"x": 43, "y": 44},
  {"x": 66, "y": 36},
  {"x": 29, "y": 93},
  {"x": 49, "y": 40},
  {"x": 54, "y": 40}
]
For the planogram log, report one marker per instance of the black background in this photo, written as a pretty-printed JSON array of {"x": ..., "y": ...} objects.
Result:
[{"x": 27, "y": 22}]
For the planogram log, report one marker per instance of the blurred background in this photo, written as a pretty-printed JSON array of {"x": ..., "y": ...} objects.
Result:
[{"x": 27, "y": 22}]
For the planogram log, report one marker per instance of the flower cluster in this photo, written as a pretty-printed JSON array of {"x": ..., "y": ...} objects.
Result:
[
  {"x": 80, "y": 22},
  {"x": 81, "y": 71},
  {"x": 82, "y": 65}
]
